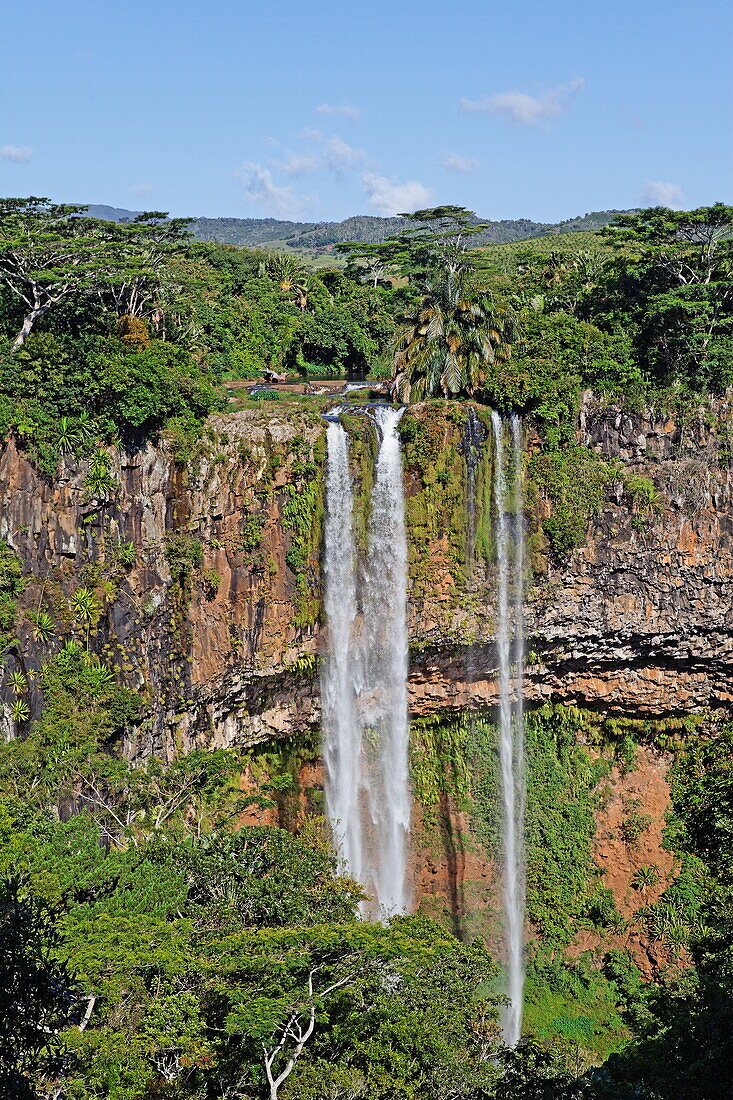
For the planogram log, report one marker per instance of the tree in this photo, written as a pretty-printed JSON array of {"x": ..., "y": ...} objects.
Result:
[
  {"x": 689, "y": 246},
  {"x": 370, "y": 262},
  {"x": 402, "y": 1004},
  {"x": 448, "y": 342},
  {"x": 673, "y": 279},
  {"x": 295, "y": 281},
  {"x": 137, "y": 259},
  {"x": 48, "y": 252},
  {"x": 38, "y": 996},
  {"x": 530, "y": 1072},
  {"x": 440, "y": 236},
  {"x": 51, "y": 252}
]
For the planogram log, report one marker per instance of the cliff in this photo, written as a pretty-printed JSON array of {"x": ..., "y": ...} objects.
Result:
[
  {"x": 206, "y": 577},
  {"x": 638, "y": 621}
]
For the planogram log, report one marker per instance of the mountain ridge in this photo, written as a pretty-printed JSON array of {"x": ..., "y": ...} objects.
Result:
[{"x": 321, "y": 237}]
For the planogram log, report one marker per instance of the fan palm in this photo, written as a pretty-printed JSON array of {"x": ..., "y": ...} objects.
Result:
[
  {"x": 295, "y": 281},
  {"x": 449, "y": 342}
]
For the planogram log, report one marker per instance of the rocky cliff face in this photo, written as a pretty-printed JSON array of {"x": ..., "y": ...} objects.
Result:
[
  {"x": 207, "y": 580},
  {"x": 639, "y": 621}
]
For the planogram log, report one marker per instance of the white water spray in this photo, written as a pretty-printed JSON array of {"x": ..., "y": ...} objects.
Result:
[
  {"x": 510, "y": 559},
  {"x": 364, "y": 677}
]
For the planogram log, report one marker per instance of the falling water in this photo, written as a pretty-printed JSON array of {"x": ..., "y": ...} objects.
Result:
[
  {"x": 510, "y": 559},
  {"x": 364, "y": 682},
  {"x": 472, "y": 446},
  {"x": 384, "y": 639},
  {"x": 341, "y": 729},
  {"x": 519, "y": 764}
]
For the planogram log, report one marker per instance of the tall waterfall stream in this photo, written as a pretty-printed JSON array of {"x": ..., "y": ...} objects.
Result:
[
  {"x": 510, "y": 650},
  {"x": 364, "y": 679}
]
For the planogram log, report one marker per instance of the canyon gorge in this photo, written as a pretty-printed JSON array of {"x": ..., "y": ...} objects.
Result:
[{"x": 213, "y": 614}]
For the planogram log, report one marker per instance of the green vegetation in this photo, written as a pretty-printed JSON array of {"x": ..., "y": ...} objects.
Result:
[
  {"x": 311, "y": 240},
  {"x": 215, "y": 958},
  {"x": 113, "y": 332},
  {"x": 595, "y": 1008},
  {"x": 435, "y": 510},
  {"x": 574, "y": 480},
  {"x": 302, "y": 518},
  {"x": 11, "y": 585},
  {"x": 38, "y": 997},
  {"x": 205, "y": 954},
  {"x": 682, "y": 1044}
]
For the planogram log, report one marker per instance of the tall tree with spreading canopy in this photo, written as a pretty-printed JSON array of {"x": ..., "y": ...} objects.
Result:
[
  {"x": 51, "y": 252},
  {"x": 674, "y": 280}
]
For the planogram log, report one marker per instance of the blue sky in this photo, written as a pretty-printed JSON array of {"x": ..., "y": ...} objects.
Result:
[{"x": 538, "y": 108}]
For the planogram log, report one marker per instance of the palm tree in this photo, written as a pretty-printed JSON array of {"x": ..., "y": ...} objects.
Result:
[
  {"x": 294, "y": 279},
  {"x": 449, "y": 342}
]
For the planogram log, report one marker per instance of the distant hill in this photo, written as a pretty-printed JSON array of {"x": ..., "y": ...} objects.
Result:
[{"x": 320, "y": 237}]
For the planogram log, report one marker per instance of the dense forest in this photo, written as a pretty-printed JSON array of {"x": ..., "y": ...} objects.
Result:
[{"x": 154, "y": 941}]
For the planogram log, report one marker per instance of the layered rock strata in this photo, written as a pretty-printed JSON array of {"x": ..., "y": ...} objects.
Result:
[{"x": 639, "y": 621}]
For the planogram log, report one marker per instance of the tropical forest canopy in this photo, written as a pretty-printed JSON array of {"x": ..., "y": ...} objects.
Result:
[{"x": 114, "y": 330}]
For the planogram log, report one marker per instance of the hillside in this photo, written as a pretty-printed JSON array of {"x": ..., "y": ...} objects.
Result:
[{"x": 317, "y": 237}]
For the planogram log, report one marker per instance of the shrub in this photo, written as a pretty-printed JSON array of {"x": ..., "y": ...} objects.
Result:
[{"x": 183, "y": 554}]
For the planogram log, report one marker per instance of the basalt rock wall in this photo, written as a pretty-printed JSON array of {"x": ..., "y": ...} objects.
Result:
[{"x": 213, "y": 613}]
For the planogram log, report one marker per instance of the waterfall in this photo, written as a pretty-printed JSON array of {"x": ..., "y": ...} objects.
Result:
[
  {"x": 364, "y": 679},
  {"x": 341, "y": 730},
  {"x": 472, "y": 446},
  {"x": 510, "y": 560},
  {"x": 385, "y": 648}
]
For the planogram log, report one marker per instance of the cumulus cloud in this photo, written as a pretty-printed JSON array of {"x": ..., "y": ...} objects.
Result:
[
  {"x": 298, "y": 164},
  {"x": 462, "y": 166},
  {"x": 389, "y": 197},
  {"x": 657, "y": 193},
  {"x": 521, "y": 109},
  {"x": 18, "y": 154},
  {"x": 332, "y": 154},
  {"x": 280, "y": 201},
  {"x": 344, "y": 109},
  {"x": 340, "y": 157},
  {"x": 140, "y": 189}
]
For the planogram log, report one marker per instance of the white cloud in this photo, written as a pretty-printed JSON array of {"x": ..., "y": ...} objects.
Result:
[
  {"x": 19, "y": 154},
  {"x": 140, "y": 189},
  {"x": 520, "y": 109},
  {"x": 462, "y": 166},
  {"x": 340, "y": 157},
  {"x": 389, "y": 197},
  {"x": 345, "y": 109},
  {"x": 656, "y": 193},
  {"x": 276, "y": 200},
  {"x": 298, "y": 164},
  {"x": 331, "y": 155}
]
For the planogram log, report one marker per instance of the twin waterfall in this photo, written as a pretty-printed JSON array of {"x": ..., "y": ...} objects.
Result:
[{"x": 364, "y": 679}]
